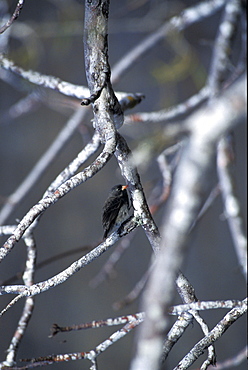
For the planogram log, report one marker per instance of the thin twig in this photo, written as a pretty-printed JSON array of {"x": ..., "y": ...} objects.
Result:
[
  {"x": 232, "y": 362},
  {"x": 90, "y": 355},
  {"x": 57, "y": 145},
  {"x": 189, "y": 16},
  {"x": 126, "y": 100},
  {"x": 187, "y": 293},
  {"x": 97, "y": 324},
  {"x": 28, "y": 279},
  {"x": 185, "y": 202},
  {"x": 230, "y": 318},
  {"x": 170, "y": 113},
  {"x": 219, "y": 68},
  {"x": 14, "y": 16}
]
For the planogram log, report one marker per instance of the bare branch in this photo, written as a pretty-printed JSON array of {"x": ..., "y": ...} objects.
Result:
[
  {"x": 28, "y": 278},
  {"x": 72, "y": 168},
  {"x": 64, "y": 135},
  {"x": 231, "y": 202},
  {"x": 90, "y": 355},
  {"x": 62, "y": 190},
  {"x": 222, "y": 48},
  {"x": 189, "y": 16},
  {"x": 171, "y": 112},
  {"x": 126, "y": 100},
  {"x": 141, "y": 210},
  {"x": 184, "y": 182},
  {"x": 49, "y": 82},
  {"x": 219, "y": 68},
  {"x": 97, "y": 324},
  {"x": 14, "y": 16},
  {"x": 231, "y": 362},
  {"x": 212, "y": 336},
  {"x": 204, "y": 305},
  {"x": 206, "y": 126},
  {"x": 187, "y": 293}
]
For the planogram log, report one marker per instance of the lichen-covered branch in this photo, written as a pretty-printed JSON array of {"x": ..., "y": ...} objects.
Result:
[
  {"x": 108, "y": 115},
  {"x": 206, "y": 127},
  {"x": 126, "y": 100},
  {"x": 28, "y": 279},
  {"x": 141, "y": 210},
  {"x": 14, "y": 16},
  {"x": 212, "y": 336}
]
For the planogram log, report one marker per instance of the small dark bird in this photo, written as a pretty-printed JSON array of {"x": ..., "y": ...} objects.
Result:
[{"x": 115, "y": 209}]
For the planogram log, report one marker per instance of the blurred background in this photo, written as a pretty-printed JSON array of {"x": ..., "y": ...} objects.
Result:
[{"x": 48, "y": 38}]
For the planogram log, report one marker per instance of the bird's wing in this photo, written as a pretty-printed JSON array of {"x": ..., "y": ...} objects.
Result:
[{"x": 110, "y": 213}]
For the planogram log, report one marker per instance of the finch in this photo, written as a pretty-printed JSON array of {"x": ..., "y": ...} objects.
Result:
[{"x": 115, "y": 209}]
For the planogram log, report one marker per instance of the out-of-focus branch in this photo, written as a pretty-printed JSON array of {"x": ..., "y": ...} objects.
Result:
[
  {"x": 154, "y": 204},
  {"x": 188, "y": 16},
  {"x": 67, "y": 186},
  {"x": 106, "y": 108},
  {"x": 223, "y": 46},
  {"x": 107, "y": 115},
  {"x": 28, "y": 104},
  {"x": 26, "y": 291},
  {"x": 231, "y": 202},
  {"x": 126, "y": 102},
  {"x": 232, "y": 362},
  {"x": 72, "y": 168},
  {"x": 64, "y": 135},
  {"x": 206, "y": 127},
  {"x": 218, "y": 72}
]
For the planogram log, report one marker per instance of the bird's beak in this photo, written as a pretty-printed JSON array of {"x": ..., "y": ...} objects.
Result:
[{"x": 124, "y": 187}]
